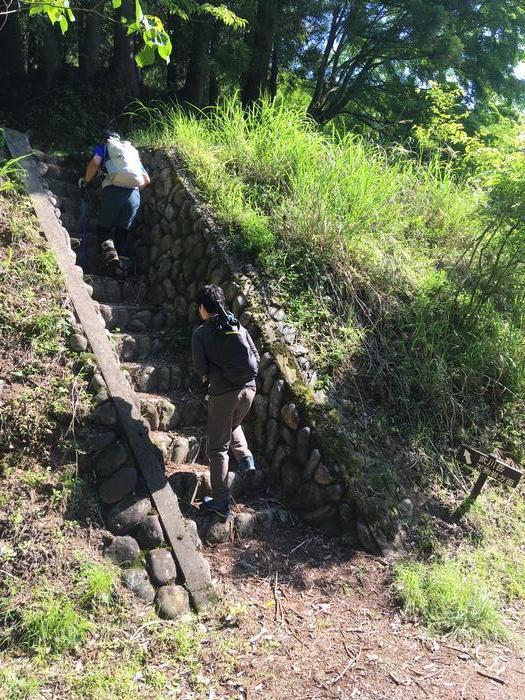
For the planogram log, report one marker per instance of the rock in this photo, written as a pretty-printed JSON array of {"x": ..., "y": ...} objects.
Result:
[
  {"x": 180, "y": 449},
  {"x": 309, "y": 495},
  {"x": 137, "y": 581},
  {"x": 269, "y": 375},
  {"x": 219, "y": 531},
  {"x": 281, "y": 453},
  {"x": 406, "y": 508},
  {"x": 245, "y": 568},
  {"x": 149, "y": 532},
  {"x": 185, "y": 485},
  {"x": 121, "y": 484},
  {"x": 78, "y": 342},
  {"x": 191, "y": 526},
  {"x": 276, "y": 398},
  {"x": 110, "y": 459},
  {"x": 172, "y": 602},
  {"x": 303, "y": 444},
  {"x": 126, "y": 515},
  {"x": 244, "y": 524},
  {"x": 99, "y": 441},
  {"x": 365, "y": 538},
  {"x": 104, "y": 414},
  {"x": 322, "y": 475},
  {"x": 161, "y": 566},
  {"x": 312, "y": 463},
  {"x": 276, "y": 313},
  {"x": 148, "y": 410},
  {"x": 272, "y": 438},
  {"x": 162, "y": 442},
  {"x": 346, "y": 517},
  {"x": 288, "y": 436},
  {"x": 123, "y": 550},
  {"x": 290, "y": 476},
  {"x": 264, "y": 518},
  {"x": 334, "y": 493},
  {"x": 290, "y": 416}
]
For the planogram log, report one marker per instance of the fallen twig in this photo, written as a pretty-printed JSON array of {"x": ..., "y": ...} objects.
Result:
[
  {"x": 395, "y": 679},
  {"x": 491, "y": 677}
]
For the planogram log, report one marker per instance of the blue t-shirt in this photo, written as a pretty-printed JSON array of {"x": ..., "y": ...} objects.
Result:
[{"x": 100, "y": 150}]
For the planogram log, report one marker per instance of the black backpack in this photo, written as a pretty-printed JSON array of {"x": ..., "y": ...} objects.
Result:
[{"x": 237, "y": 361}]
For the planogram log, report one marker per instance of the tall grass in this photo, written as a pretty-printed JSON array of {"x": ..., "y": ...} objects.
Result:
[{"x": 360, "y": 240}]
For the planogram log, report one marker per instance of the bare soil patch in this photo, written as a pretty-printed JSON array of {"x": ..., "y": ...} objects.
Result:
[{"x": 326, "y": 617}]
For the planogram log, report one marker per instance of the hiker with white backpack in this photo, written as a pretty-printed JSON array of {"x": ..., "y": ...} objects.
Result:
[{"x": 124, "y": 177}]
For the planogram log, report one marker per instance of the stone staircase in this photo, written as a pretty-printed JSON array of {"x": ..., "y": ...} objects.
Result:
[{"x": 155, "y": 356}]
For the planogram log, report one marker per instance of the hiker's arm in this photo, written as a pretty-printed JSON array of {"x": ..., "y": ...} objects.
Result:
[
  {"x": 198, "y": 351},
  {"x": 92, "y": 168},
  {"x": 146, "y": 181},
  {"x": 252, "y": 346}
]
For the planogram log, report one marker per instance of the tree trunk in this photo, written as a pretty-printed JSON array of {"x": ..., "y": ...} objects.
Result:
[
  {"x": 314, "y": 108},
  {"x": 274, "y": 71},
  {"x": 12, "y": 59},
  {"x": 198, "y": 73},
  {"x": 125, "y": 71},
  {"x": 89, "y": 43},
  {"x": 49, "y": 62},
  {"x": 256, "y": 81}
]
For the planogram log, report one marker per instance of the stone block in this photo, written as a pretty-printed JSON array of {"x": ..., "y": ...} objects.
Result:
[
  {"x": 312, "y": 463},
  {"x": 110, "y": 459},
  {"x": 149, "y": 533},
  {"x": 171, "y": 602},
  {"x": 323, "y": 475},
  {"x": 123, "y": 550},
  {"x": 276, "y": 398},
  {"x": 137, "y": 581},
  {"x": 290, "y": 416},
  {"x": 119, "y": 485},
  {"x": 303, "y": 444},
  {"x": 124, "y": 516},
  {"x": 161, "y": 566}
]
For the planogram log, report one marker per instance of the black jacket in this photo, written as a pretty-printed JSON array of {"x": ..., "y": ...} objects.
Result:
[{"x": 207, "y": 360}]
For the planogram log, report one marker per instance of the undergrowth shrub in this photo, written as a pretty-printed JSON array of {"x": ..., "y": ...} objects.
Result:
[{"x": 370, "y": 249}]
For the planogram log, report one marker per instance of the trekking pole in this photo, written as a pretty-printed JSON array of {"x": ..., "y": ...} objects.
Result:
[{"x": 83, "y": 231}]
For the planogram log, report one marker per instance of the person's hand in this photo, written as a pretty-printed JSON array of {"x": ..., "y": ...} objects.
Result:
[{"x": 82, "y": 184}]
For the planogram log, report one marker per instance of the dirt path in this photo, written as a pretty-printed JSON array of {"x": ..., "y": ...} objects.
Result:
[{"x": 320, "y": 623}]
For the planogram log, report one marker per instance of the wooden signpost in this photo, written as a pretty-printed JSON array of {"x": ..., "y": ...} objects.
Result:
[{"x": 488, "y": 466}]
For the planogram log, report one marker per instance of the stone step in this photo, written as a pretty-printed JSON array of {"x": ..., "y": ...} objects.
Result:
[
  {"x": 142, "y": 347},
  {"x": 111, "y": 290},
  {"x": 180, "y": 447},
  {"x": 61, "y": 173},
  {"x": 174, "y": 410},
  {"x": 137, "y": 317},
  {"x": 159, "y": 377},
  {"x": 65, "y": 190}
]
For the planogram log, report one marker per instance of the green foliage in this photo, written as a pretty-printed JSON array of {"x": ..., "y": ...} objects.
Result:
[
  {"x": 50, "y": 624},
  {"x": 17, "y": 686},
  {"x": 384, "y": 259},
  {"x": 450, "y": 600},
  {"x": 97, "y": 584}
]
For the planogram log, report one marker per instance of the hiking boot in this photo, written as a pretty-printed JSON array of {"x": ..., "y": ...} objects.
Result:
[
  {"x": 111, "y": 260},
  {"x": 246, "y": 465},
  {"x": 212, "y": 506}
]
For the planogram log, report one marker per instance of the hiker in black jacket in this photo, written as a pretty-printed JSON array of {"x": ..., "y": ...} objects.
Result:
[{"x": 225, "y": 356}]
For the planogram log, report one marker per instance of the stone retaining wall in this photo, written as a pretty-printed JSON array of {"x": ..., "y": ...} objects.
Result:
[{"x": 294, "y": 432}]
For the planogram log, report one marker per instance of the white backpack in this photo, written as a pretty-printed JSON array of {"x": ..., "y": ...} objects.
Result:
[{"x": 123, "y": 165}]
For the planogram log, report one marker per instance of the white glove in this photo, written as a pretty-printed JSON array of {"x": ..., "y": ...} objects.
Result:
[{"x": 82, "y": 184}]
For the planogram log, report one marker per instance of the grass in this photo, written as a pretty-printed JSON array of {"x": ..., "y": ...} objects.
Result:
[
  {"x": 450, "y": 600},
  {"x": 97, "y": 584},
  {"x": 466, "y": 587},
  {"x": 360, "y": 244},
  {"x": 50, "y": 624}
]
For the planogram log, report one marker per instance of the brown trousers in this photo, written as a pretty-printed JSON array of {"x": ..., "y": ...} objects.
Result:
[{"x": 225, "y": 415}]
